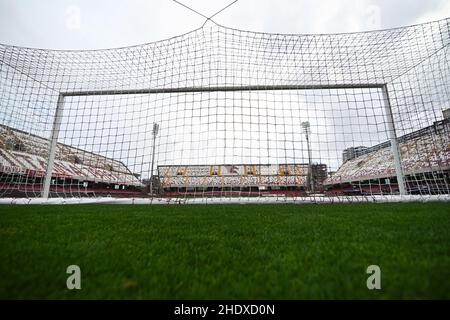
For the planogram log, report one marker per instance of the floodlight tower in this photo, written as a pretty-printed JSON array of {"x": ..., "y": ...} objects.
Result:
[
  {"x": 307, "y": 130},
  {"x": 155, "y": 133}
]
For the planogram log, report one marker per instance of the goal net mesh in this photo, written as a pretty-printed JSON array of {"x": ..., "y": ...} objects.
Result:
[{"x": 225, "y": 113}]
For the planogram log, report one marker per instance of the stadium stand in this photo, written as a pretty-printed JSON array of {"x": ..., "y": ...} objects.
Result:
[
  {"x": 425, "y": 161},
  {"x": 23, "y": 161},
  {"x": 425, "y": 156},
  {"x": 289, "y": 179}
]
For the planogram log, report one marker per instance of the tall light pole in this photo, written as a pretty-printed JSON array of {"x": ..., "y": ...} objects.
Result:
[
  {"x": 155, "y": 133},
  {"x": 307, "y": 130}
]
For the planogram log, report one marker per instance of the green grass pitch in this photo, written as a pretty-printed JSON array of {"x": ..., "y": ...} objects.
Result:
[{"x": 225, "y": 251}]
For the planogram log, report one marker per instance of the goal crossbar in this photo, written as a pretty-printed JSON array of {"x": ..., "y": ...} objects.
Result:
[{"x": 222, "y": 88}]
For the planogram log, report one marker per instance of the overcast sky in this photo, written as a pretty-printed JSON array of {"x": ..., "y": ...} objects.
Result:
[{"x": 88, "y": 24}]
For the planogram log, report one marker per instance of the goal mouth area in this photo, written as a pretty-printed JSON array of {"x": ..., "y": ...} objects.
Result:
[{"x": 323, "y": 98}]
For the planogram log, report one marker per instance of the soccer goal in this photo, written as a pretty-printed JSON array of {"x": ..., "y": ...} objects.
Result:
[{"x": 224, "y": 115}]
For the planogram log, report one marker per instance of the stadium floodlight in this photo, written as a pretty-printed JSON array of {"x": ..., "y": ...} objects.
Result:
[
  {"x": 307, "y": 130},
  {"x": 155, "y": 133},
  {"x": 219, "y": 109}
]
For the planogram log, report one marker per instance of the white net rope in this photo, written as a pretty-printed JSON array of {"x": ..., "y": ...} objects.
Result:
[{"x": 219, "y": 112}]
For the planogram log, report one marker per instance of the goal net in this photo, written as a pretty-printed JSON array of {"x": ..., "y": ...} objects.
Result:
[{"x": 220, "y": 113}]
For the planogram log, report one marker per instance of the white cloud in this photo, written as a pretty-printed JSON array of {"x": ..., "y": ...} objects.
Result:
[
  {"x": 113, "y": 23},
  {"x": 441, "y": 11}
]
